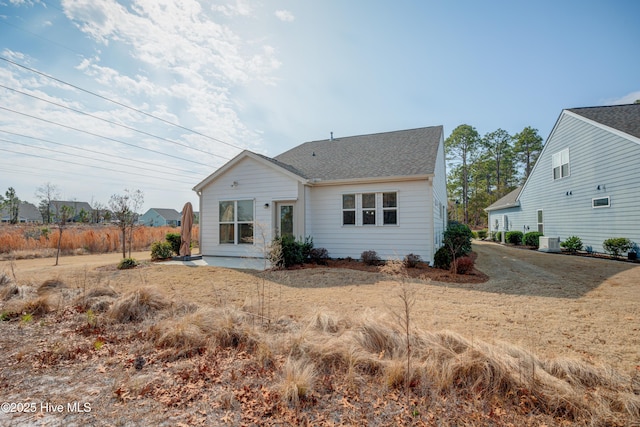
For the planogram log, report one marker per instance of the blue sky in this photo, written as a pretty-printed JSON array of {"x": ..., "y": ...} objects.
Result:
[{"x": 269, "y": 75}]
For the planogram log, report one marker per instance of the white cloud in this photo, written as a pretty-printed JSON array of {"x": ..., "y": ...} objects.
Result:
[
  {"x": 285, "y": 15},
  {"x": 629, "y": 98}
]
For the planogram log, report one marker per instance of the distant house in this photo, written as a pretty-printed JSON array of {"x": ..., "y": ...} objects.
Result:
[
  {"x": 156, "y": 217},
  {"x": 27, "y": 213},
  {"x": 384, "y": 192},
  {"x": 80, "y": 211},
  {"x": 585, "y": 182}
]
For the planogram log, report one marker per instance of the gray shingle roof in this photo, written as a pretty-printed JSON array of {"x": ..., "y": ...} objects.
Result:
[
  {"x": 76, "y": 206},
  {"x": 399, "y": 153},
  {"x": 168, "y": 214},
  {"x": 508, "y": 201},
  {"x": 625, "y": 118},
  {"x": 26, "y": 211}
]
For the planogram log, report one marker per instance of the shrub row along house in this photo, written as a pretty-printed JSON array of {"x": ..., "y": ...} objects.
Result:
[
  {"x": 585, "y": 182},
  {"x": 384, "y": 192}
]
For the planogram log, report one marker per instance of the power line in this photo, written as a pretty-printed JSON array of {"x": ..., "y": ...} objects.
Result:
[
  {"x": 114, "y": 123},
  {"x": 119, "y": 103},
  {"x": 86, "y": 157},
  {"x": 96, "y": 152},
  {"x": 92, "y": 167},
  {"x": 104, "y": 137}
]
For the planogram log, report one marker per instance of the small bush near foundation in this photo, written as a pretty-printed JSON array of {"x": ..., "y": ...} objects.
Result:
[
  {"x": 370, "y": 258},
  {"x": 532, "y": 238},
  {"x": 464, "y": 265},
  {"x": 616, "y": 246},
  {"x": 482, "y": 234},
  {"x": 514, "y": 237},
  {"x": 319, "y": 255},
  {"x": 497, "y": 236},
  {"x": 442, "y": 258},
  {"x": 161, "y": 250},
  {"x": 572, "y": 244},
  {"x": 175, "y": 239},
  {"x": 412, "y": 260}
]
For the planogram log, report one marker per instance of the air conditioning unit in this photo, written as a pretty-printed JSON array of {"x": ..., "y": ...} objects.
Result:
[{"x": 549, "y": 244}]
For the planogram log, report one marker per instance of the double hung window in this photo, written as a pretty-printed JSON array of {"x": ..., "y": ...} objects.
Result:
[{"x": 236, "y": 222}]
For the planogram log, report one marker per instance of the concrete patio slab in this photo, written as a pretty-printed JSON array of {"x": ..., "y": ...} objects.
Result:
[{"x": 227, "y": 262}]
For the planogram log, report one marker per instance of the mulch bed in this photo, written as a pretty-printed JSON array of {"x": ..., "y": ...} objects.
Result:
[{"x": 422, "y": 271}]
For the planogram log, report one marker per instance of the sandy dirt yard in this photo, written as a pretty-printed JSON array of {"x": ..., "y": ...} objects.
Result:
[{"x": 553, "y": 305}]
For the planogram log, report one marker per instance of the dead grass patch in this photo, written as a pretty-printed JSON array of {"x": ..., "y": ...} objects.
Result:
[{"x": 137, "y": 305}]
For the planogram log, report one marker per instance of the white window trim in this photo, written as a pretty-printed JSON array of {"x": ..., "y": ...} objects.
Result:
[
  {"x": 558, "y": 163},
  {"x": 593, "y": 201},
  {"x": 379, "y": 209},
  {"x": 236, "y": 223}
]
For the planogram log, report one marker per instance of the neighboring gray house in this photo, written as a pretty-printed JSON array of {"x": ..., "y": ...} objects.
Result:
[
  {"x": 384, "y": 192},
  {"x": 585, "y": 182},
  {"x": 27, "y": 213},
  {"x": 80, "y": 210},
  {"x": 156, "y": 217}
]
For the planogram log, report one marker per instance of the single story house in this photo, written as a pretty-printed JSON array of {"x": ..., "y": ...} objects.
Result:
[
  {"x": 584, "y": 182},
  {"x": 27, "y": 213},
  {"x": 80, "y": 211},
  {"x": 384, "y": 192},
  {"x": 156, "y": 217}
]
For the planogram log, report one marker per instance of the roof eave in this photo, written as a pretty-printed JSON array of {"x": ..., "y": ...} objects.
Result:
[
  {"x": 502, "y": 207},
  {"x": 367, "y": 180}
]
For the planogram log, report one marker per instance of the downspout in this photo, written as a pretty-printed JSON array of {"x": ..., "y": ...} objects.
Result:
[{"x": 200, "y": 222}]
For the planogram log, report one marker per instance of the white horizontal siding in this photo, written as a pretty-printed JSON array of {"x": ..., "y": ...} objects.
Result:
[
  {"x": 256, "y": 181},
  {"x": 413, "y": 234},
  {"x": 596, "y": 157}
]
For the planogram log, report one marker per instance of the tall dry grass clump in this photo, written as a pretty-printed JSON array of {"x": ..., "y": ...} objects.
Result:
[
  {"x": 449, "y": 364},
  {"x": 137, "y": 305},
  {"x": 298, "y": 378}
]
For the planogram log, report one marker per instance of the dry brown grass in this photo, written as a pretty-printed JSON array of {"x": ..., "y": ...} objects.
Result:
[
  {"x": 298, "y": 378},
  {"x": 138, "y": 305},
  {"x": 32, "y": 241}
]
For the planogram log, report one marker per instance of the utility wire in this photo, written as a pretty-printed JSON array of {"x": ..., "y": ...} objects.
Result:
[
  {"x": 86, "y": 157},
  {"x": 97, "y": 152},
  {"x": 119, "y": 103},
  {"x": 114, "y": 123},
  {"x": 92, "y": 167},
  {"x": 104, "y": 137}
]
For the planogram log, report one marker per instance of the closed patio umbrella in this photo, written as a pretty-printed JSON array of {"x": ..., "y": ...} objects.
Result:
[{"x": 185, "y": 230}]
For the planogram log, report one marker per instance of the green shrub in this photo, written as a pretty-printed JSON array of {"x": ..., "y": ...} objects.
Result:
[
  {"x": 457, "y": 238},
  {"x": 286, "y": 251},
  {"x": 442, "y": 258},
  {"x": 412, "y": 260},
  {"x": 532, "y": 238},
  {"x": 482, "y": 234},
  {"x": 370, "y": 258},
  {"x": 514, "y": 237},
  {"x": 175, "y": 239},
  {"x": 572, "y": 244},
  {"x": 497, "y": 236},
  {"x": 127, "y": 263},
  {"x": 616, "y": 246},
  {"x": 161, "y": 250}
]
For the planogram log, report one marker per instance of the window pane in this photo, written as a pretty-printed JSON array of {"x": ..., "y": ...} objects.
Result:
[
  {"x": 245, "y": 233},
  {"x": 349, "y": 217},
  {"x": 369, "y": 217},
  {"x": 348, "y": 201},
  {"x": 226, "y": 212},
  {"x": 565, "y": 170},
  {"x": 540, "y": 216},
  {"x": 369, "y": 200},
  {"x": 598, "y": 203},
  {"x": 226, "y": 233},
  {"x": 556, "y": 172},
  {"x": 389, "y": 200},
  {"x": 245, "y": 210},
  {"x": 286, "y": 220},
  {"x": 391, "y": 216}
]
